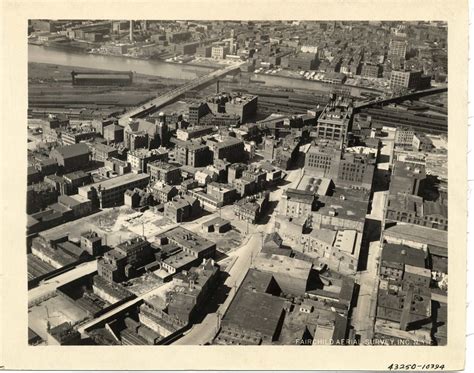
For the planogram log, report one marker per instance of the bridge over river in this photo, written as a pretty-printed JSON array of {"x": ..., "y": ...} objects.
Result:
[{"x": 171, "y": 96}]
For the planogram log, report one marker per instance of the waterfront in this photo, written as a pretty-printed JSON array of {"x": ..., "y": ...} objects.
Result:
[
  {"x": 312, "y": 85},
  {"x": 41, "y": 54}
]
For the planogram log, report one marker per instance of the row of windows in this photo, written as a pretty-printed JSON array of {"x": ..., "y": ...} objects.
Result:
[{"x": 409, "y": 216}]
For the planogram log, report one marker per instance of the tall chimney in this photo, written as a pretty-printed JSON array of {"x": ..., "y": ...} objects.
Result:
[
  {"x": 217, "y": 86},
  {"x": 131, "y": 31}
]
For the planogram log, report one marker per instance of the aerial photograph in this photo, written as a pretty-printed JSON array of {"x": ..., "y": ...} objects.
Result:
[{"x": 202, "y": 182}]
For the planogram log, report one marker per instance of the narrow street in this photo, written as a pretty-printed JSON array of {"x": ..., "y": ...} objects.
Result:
[
  {"x": 206, "y": 331},
  {"x": 363, "y": 314}
]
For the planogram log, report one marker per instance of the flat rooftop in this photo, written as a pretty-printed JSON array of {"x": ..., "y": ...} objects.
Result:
[
  {"x": 116, "y": 181},
  {"x": 187, "y": 239},
  {"x": 429, "y": 236},
  {"x": 281, "y": 264},
  {"x": 254, "y": 311}
]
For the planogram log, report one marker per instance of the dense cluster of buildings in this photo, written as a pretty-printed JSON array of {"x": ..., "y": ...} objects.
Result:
[
  {"x": 315, "y": 182},
  {"x": 405, "y": 56}
]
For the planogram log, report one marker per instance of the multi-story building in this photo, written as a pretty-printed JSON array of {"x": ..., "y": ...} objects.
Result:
[
  {"x": 165, "y": 172},
  {"x": 236, "y": 103},
  {"x": 71, "y": 136},
  {"x": 123, "y": 261},
  {"x": 347, "y": 169},
  {"x": 166, "y": 193},
  {"x": 117, "y": 166},
  {"x": 339, "y": 249},
  {"x": 192, "y": 154},
  {"x": 370, "y": 70},
  {"x": 100, "y": 124},
  {"x": 140, "y": 158},
  {"x": 178, "y": 36},
  {"x": 193, "y": 132},
  {"x": 186, "y": 48},
  {"x": 193, "y": 290},
  {"x": 190, "y": 243},
  {"x": 113, "y": 133},
  {"x": 251, "y": 209},
  {"x": 408, "y": 208},
  {"x": 406, "y": 177},
  {"x": 356, "y": 170},
  {"x": 421, "y": 142},
  {"x": 102, "y": 152},
  {"x": 404, "y": 136},
  {"x": 182, "y": 209},
  {"x": 405, "y": 79},
  {"x": 140, "y": 133},
  {"x": 297, "y": 203},
  {"x": 398, "y": 47},
  {"x": 71, "y": 157},
  {"x": 196, "y": 111},
  {"x": 245, "y": 106},
  {"x": 322, "y": 158},
  {"x": 335, "y": 121},
  {"x": 111, "y": 192},
  {"x": 91, "y": 242},
  {"x": 219, "y": 52},
  {"x": 204, "y": 51},
  {"x": 303, "y": 61},
  {"x": 395, "y": 257},
  {"x": 231, "y": 149},
  {"x": 224, "y": 194}
]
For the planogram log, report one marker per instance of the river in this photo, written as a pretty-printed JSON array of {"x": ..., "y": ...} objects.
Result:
[
  {"x": 54, "y": 56},
  {"x": 295, "y": 83}
]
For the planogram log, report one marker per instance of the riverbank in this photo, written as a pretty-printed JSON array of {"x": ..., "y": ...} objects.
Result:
[
  {"x": 54, "y": 56},
  {"x": 84, "y": 51},
  {"x": 314, "y": 85}
]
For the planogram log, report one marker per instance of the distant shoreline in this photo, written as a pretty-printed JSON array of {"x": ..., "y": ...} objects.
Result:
[{"x": 78, "y": 50}]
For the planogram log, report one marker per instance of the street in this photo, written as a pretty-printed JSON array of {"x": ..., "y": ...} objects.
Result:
[
  {"x": 206, "y": 331},
  {"x": 363, "y": 314}
]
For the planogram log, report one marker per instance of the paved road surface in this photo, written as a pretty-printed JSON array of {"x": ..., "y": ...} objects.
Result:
[
  {"x": 363, "y": 315},
  {"x": 206, "y": 331}
]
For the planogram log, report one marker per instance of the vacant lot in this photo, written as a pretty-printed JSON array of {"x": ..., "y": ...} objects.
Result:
[{"x": 56, "y": 310}]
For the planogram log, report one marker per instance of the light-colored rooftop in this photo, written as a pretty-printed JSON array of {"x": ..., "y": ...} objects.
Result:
[{"x": 116, "y": 181}]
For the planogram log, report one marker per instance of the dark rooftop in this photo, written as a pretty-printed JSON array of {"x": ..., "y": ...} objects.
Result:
[
  {"x": 403, "y": 255},
  {"x": 255, "y": 311}
]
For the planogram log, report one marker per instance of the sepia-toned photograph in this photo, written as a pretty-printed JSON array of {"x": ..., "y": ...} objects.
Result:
[
  {"x": 248, "y": 185},
  {"x": 237, "y": 182}
]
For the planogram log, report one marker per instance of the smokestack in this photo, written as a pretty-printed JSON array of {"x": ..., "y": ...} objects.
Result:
[
  {"x": 131, "y": 31},
  {"x": 217, "y": 87}
]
